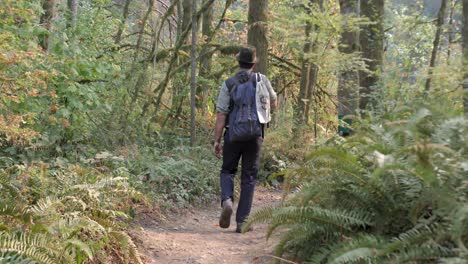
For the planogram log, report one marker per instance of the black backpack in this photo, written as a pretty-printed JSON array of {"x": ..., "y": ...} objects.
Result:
[{"x": 242, "y": 120}]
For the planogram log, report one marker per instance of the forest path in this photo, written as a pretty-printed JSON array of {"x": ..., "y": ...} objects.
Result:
[{"x": 196, "y": 237}]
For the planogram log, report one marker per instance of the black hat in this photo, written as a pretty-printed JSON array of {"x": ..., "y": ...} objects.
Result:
[{"x": 247, "y": 55}]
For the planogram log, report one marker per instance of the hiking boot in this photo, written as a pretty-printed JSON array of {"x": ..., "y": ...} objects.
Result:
[
  {"x": 239, "y": 228},
  {"x": 225, "y": 218}
]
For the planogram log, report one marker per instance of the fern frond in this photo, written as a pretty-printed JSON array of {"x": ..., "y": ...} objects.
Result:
[
  {"x": 262, "y": 215},
  {"x": 81, "y": 246},
  {"x": 11, "y": 257},
  {"x": 460, "y": 225},
  {"x": 336, "y": 217},
  {"x": 281, "y": 246},
  {"x": 16, "y": 213},
  {"x": 6, "y": 185},
  {"x": 335, "y": 154},
  {"x": 125, "y": 242},
  {"x": 72, "y": 224},
  {"x": 421, "y": 254},
  {"x": 45, "y": 206},
  {"x": 358, "y": 249},
  {"x": 35, "y": 247}
]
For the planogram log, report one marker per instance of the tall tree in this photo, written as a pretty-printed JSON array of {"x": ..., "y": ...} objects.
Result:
[
  {"x": 48, "y": 7},
  {"x": 73, "y": 9},
  {"x": 187, "y": 6},
  {"x": 309, "y": 70},
  {"x": 193, "y": 84},
  {"x": 205, "y": 60},
  {"x": 371, "y": 40},
  {"x": 126, "y": 10},
  {"x": 451, "y": 29},
  {"x": 465, "y": 57},
  {"x": 258, "y": 30},
  {"x": 436, "y": 43},
  {"x": 348, "y": 83}
]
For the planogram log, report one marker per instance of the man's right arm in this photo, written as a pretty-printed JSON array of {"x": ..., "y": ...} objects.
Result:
[
  {"x": 222, "y": 109},
  {"x": 219, "y": 126}
]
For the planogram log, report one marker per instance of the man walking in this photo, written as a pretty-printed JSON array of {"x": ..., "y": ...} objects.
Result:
[{"x": 243, "y": 108}]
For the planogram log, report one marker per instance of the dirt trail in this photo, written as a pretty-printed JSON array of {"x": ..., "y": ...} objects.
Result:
[{"x": 196, "y": 238}]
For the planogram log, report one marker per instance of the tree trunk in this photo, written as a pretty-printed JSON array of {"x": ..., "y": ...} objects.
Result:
[
  {"x": 435, "y": 47},
  {"x": 193, "y": 84},
  {"x": 451, "y": 29},
  {"x": 371, "y": 39},
  {"x": 309, "y": 76},
  {"x": 126, "y": 9},
  {"x": 73, "y": 8},
  {"x": 186, "y": 15},
  {"x": 348, "y": 82},
  {"x": 465, "y": 57},
  {"x": 48, "y": 7},
  {"x": 258, "y": 29},
  {"x": 205, "y": 61}
]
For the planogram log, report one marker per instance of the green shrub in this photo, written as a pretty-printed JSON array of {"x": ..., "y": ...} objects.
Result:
[
  {"x": 394, "y": 192},
  {"x": 67, "y": 214},
  {"x": 180, "y": 176}
]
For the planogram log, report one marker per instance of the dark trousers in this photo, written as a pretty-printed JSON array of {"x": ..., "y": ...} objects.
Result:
[{"x": 249, "y": 151}]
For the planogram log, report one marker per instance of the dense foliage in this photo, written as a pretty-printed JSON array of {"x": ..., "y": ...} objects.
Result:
[
  {"x": 62, "y": 213},
  {"x": 94, "y": 123},
  {"x": 394, "y": 192}
]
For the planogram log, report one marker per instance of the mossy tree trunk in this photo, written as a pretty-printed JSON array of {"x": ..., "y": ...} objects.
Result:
[
  {"x": 309, "y": 72},
  {"x": 348, "y": 82},
  {"x": 187, "y": 16},
  {"x": 126, "y": 9},
  {"x": 73, "y": 9},
  {"x": 371, "y": 39},
  {"x": 465, "y": 57},
  {"x": 48, "y": 14},
  {"x": 193, "y": 77},
  {"x": 258, "y": 31},
  {"x": 436, "y": 43},
  {"x": 205, "y": 60}
]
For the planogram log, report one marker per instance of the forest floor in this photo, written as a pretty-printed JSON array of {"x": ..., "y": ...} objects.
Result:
[{"x": 195, "y": 237}]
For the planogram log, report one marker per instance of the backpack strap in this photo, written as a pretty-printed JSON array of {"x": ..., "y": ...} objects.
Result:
[{"x": 231, "y": 84}]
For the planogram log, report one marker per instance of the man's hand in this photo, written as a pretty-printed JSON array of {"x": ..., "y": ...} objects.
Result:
[
  {"x": 219, "y": 126},
  {"x": 218, "y": 149},
  {"x": 273, "y": 104}
]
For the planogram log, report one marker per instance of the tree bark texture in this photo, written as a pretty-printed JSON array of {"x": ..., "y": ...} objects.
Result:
[
  {"x": 205, "y": 61},
  {"x": 436, "y": 43},
  {"x": 348, "y": 83},
  {"x": 348, "y": 80},
  {"x": 172, "y": 68},
  {"x": 186, "y": 16},
  {"x": 193, "y": 83},
  {"x": 309, "y": 75},
  {"x": 126, "y": 9},
  {"x": 258, "y": 31},
  {"x": 73, "y": 9},
  {"x": 371, "y": 40},
  {"x": 465, "y": 57},
  {"x": 451, "y": 29},
  {"x": 48, "y": 7}
]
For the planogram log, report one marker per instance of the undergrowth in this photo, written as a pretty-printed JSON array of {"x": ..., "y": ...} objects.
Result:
[
  {"x": 52, "y": 213},
  {"x": 394, "y": 192}
]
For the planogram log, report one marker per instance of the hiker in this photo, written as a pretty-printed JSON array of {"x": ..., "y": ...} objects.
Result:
[{"x": 243, "y": 109}]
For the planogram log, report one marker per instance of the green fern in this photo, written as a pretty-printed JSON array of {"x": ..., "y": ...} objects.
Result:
[
  {"x": 125, "y": 243},
  {"x": 394, "y": 192},
  {"x": 39, "y": 248}
]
